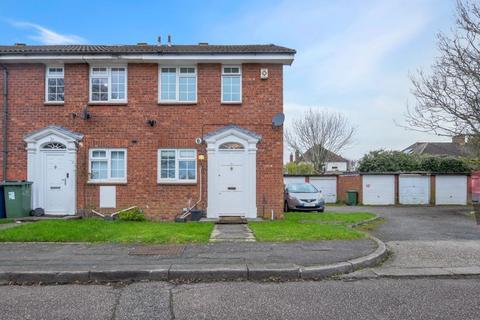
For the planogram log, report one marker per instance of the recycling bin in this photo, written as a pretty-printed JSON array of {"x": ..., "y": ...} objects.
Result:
[
  {"x": 352, "y": 197},
  {"x": 18, "y": 198}
]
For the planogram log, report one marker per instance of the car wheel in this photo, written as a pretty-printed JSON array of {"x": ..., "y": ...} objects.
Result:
[{"x": 285, "y": 207}]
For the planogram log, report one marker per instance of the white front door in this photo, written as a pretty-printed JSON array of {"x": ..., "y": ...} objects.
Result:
[
  {"x": 232, "y": 173},
  {"x": 230, "y": 184},
  {"x": 58, "y": 182}
]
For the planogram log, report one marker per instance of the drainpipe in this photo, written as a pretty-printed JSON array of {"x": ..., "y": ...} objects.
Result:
[{"x": 5, "y": 122}]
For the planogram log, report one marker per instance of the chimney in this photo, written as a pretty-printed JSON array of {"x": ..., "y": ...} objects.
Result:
[
  {"x": 159, "y": 40},
  {"x": 203, "y": 43},
  {"x": 19, "y": 44},
  {"x": 459, "y": 140},
  {"x": 169, "y": 41},
  {"x": 291, "y": 157},
  {"x": 297, "y": 155}
]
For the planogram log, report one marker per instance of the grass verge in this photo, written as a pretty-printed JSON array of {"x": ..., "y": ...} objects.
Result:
[
  {"x": 310, "y": 226},
  {"x": 97, "y": 230}
]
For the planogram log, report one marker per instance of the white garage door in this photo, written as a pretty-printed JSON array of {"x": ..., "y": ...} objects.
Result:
[
  {"x": 328, "y": 187},
  {"x": 451, "y": 190},
  {"x": 288, "y": 180},
  {"x": 414, "y": 189},
  {"x": 378, "y": 190}
]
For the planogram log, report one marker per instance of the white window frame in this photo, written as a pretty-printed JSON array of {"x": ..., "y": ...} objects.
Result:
[
  {"x": 108, "y": 75},
  {"x": 231, "y": 74},
  {"x": 177, "y": 167},
  {"x": 177, "y": 85},
  {"x": 107, "y": 158},
  {"x": 49, "y": 76}
]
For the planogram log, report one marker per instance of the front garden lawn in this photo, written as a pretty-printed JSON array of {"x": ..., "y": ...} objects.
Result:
[
  {"x": 299, "y": 226},
  {"x": 98, "y": 230}
]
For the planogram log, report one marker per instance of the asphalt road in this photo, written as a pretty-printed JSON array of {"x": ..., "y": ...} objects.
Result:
[{"x": 365, "y": 299}]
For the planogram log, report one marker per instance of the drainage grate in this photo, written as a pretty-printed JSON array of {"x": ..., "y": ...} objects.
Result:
[{"x": 166, "y": 250}]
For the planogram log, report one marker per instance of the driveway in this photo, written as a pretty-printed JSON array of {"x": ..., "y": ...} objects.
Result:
[
  {"x": 421, "y": 223},
  {"x": 426, "y": 241}
]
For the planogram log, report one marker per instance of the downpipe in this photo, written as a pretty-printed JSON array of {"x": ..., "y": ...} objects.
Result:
[{"x": 5, "y": 122}]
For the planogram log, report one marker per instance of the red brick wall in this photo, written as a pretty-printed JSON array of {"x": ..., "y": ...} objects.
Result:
[
  {"x": 349, "y": 182},
  {"x": 125, "y": 126}
]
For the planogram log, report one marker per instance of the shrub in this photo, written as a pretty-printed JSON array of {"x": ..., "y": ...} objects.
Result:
[
  {"x": 134, "y": 214},
  {"x": 299, "y": 168}
]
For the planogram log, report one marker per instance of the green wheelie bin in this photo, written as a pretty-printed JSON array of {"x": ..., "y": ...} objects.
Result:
[{"x": 18, "y": 198}]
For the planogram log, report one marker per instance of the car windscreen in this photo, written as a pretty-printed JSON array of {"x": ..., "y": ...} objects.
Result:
[{"x": 301, "y": 188}]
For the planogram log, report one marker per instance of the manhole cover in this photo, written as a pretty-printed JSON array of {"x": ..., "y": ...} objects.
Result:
[{"x": 167, "y": 250}]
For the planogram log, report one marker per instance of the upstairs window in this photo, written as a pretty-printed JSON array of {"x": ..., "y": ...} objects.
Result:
[
  {"x": 178, "y": 84},
  {"x": 108, "y": 84},
  {"x": 54, "y": 85},
  {"x": 231, "y": 84},
  {"x": 108, "y": 165},
  {"x": 177, "y": 165}
]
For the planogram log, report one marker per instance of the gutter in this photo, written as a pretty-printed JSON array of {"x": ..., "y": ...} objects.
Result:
[{"x": 5, "y": 122}]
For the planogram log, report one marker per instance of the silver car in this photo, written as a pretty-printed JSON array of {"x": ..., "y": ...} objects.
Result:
[{"x": 303, "y": 197}]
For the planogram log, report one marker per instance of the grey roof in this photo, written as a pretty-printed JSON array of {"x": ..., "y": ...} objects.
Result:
[
  {"x": 436, "y": 148},
  {"x": 143, "y": 49},
  {"x": 74, "y": 135},
  {"x": 231, "y": 126}
]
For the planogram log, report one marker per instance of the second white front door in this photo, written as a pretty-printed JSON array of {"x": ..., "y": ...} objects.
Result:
[{"x": 58, "y": 183}]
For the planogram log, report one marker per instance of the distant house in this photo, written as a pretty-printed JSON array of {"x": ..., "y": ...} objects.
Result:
[
  {"x": 334, "y": 162},
  {"x": 456, "y": 148}
]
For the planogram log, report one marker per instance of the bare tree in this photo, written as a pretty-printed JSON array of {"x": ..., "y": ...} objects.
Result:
[
  {"x": 317, "y": 133},
  {"x": 448, "y": 97}
]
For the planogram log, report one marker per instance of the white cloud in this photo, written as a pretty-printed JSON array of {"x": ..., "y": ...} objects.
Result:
[{"x": 47, "y": 36}]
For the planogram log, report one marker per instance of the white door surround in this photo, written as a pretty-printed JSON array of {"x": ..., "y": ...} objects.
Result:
[
  {"x": 51, "y": 166},
  {"x": 232, "y": 172}
]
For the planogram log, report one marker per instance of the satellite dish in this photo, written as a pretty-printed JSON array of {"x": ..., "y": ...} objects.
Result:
[
  {"x": 278, "y": 119},
  {"x": 198, "y": 140}
]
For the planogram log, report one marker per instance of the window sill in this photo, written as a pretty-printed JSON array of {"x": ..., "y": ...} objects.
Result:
[
  {"x": 107, "y": 103},
  {"x": 177, "y": 183},
  {"x": 177, "y": 103},
  {"x": 53, "y": 103},
  {"x": 231, "y": 102},
  {"x": 107, "y": 182}
]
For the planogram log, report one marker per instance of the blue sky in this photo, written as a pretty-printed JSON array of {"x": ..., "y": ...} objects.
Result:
[{"x": 354, "y": 56}]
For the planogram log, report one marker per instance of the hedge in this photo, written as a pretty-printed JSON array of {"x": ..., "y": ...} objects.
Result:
[{"x": 396, "y": 161}]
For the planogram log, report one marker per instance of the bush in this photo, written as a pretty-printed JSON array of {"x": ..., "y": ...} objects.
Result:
[
  {"x": 396, "y": 161},
  {"x": 299, "y": 168},
  {"x": 134, "y": 214}
]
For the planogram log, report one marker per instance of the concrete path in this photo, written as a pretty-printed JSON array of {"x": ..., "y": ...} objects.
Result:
[{"x": 232, "y": 233}]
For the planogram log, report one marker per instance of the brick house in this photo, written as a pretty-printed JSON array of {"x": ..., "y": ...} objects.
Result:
[{"x": 162, "y": 127}]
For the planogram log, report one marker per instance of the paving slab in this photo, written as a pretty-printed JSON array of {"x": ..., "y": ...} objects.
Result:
[
  {"x": 232, "y": 232},
  {"x": 55, "y": 262}
]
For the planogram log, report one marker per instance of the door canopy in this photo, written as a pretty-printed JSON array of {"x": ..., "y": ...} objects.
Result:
[
  {"x": 53, "y": 136},
  {"x": 217, "y": 137}
]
